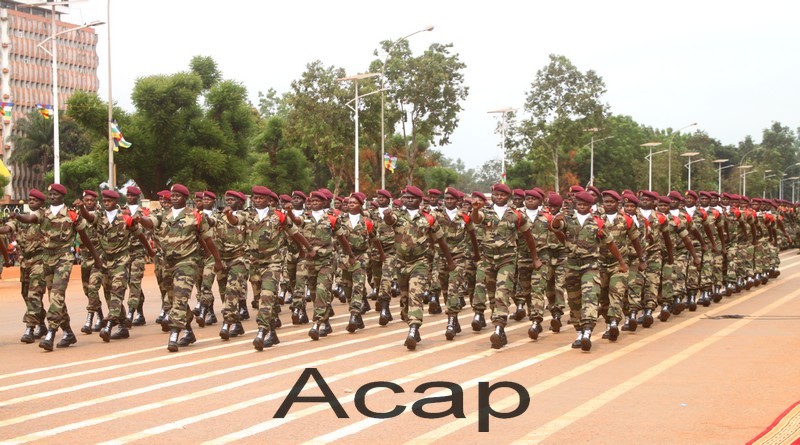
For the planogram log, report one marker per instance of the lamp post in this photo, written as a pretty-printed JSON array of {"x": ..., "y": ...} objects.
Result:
[
  {"x": 719, "y": 163},
  {"x": 383, "y": 80},
  {"x": 54, "y": 54},
  {"x": 355, "y": 80},
  {"x": 780, "y": 192},
  {"x": 793, "y": 178},
  {"x": 743, "y": 178},
  {"x": 591, "y": 144},
  {"x": 502, "y": 113},
  {"x": 650, "y": 146},
  {"x": 669, "y": 164},
  {"x": 689, "y": 164},
  {"x": 764, "y": 190},
  {"x": 112, "y": 180}
]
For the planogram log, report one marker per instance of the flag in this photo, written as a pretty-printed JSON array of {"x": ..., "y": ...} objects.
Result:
[
  {"x": 4, "y": 172},
  {"x": 5, "y": 110},
  {"x": 45, "y": 110},
  {"x": 389, "y": 162},
  {"x": 502, "y": 178},
  {"x": 119, "y": 141}
]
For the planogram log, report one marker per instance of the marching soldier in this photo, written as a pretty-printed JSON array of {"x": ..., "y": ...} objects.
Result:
[
  {"x": 137, "y": 259},
  {"x": 232, "y": 279},
  {"x": 383, "y": 272},
  {"x": 180, "y": 233},
  {"x": 164, "y": 199},
  {"x": 91, "y": 276}
]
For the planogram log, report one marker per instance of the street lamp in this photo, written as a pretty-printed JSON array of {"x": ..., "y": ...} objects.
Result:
[
  {"x": 719, "y": 163},
  {"x": 780, "y": 193},
  {"x": 669, "y": 164},
  {"x": 650, "y": 145},
  {"x": 764, "y": 190},
  {"x": 355, "y": 80},
  {"x": 383, "y": 79},
  {"x": 743, "y": 178},
  {"x": 793, "y": 178},
  {"x": 689, "y": 164},
  {"x": 591, "y": 168},
  {"x": 54, "y": 54},
  {"x": 502, "y": 113}
]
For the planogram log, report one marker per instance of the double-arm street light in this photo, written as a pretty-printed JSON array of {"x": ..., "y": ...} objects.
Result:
[
  {"x": 743, "y": 178},
  {"x": 383, "y": 81},
  {"x": 719, "y": 163},
  {"x": 591, "y": 164},
  {"x": 502, "y": 113},
  {"x": 53, "y": 52},
  {"x": 355, "y": 106},
  {"x": 688, "y": 165},
  {"x": 649, "y": 157},
  {"x": 764, "y": 191},
  {"x": 780, "y": 192},
  {"x": 669, "y": 164}
]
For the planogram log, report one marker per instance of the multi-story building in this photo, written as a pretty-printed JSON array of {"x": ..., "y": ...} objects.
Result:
[{"x": 26, "y": 77}]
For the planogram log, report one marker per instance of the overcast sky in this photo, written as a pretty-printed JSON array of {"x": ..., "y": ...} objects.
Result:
[{"x": 731, "y": 66}]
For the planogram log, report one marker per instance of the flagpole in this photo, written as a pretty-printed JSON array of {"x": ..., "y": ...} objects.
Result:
[{"x": 112, "y": 180}]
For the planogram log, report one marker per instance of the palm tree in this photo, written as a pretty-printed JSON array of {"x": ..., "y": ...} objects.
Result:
[{"x": 33, "y": 141}]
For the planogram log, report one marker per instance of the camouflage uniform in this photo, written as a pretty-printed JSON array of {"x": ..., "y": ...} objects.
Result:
[
  {"x": 354, "y": 277},
  {"x": 232, "y": 279},
  {"x": 734, "y": 269},
  {"x": 317, "y": 273},
  {"x": 205, "y": 296},
  {"x": 385, "y": 274},
  {"x": 412, "y": 238},
  {"x": 613, "y": 283},
  {"x": 115, "y": 238},
  {"x": 91, "y": 276},
  {"x": 498, "y": 261},
  {"x": 265, "y": 246},
  {"x": 656, "y": 224},
  {"x": 702, "y": 277},
  {"x": 178, "y": 236},
  {"x": 158, "y": 268},
  {"x": 680, "y": 225},
  {"x": 635, "y": 281},
  {"x": 533, "y": 283},
  {"x": 31, "y": 248},
  {"x": 138, "y": 258},
  {"x": 453, "y": 284}
]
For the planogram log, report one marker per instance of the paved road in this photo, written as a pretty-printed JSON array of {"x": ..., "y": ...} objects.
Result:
[{"x": 692, "y": 379}]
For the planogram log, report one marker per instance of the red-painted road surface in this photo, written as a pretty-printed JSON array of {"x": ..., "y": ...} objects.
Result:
[{"x": 692, "y": 379}]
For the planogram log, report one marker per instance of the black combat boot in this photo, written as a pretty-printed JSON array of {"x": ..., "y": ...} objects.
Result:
[
  {"x": 478, "y": 322},
  {"x": 105, "y": 333},
  {"x": 365, "y": 307},
  {"x": 40, "y": 331},
  {"x": 98, "y": 324},
  {"x": 520, "y": 313},
  {"x": 450, "y": 331},
  {"x": 691, "y": 303},
  {"x": 161, "y": 316},
  {"x": 27, "y": 336},
  {"x": 87, "y": 327},
  {"x": 201, "y": 316},
  {"x": 535, "y": 329},
  {"x": 647, "y": 318},
  {"x": 172, "y": 344},
  {"x": 325, "y": 328},
  {"x": 434, "y": 307},
  {"x": 578, "y": 341},
  {"x": 314, "y": 331},
  {"x": 67, "y": 339},
  {"x": 260, "y": 341},
  {"x": 188, "y": 337},
  {"x": 303, "y": 315},
  {"x": 586, "y": 339},
  {"x": 413, "y": 337},
  {"x": 386, "y": 315},
  {"x": 498, "y": 338},
  {"x": 236, "y": 329},
  {"x": 665, "y": 312},
  {"x": 352, "y": 324},
  {"x": 555, "y": 323},
  {"x": 224, "y": 332},
  {"x": 244, "y": 314},
  {"x": 678, "y": 305},
  {"x": 47, "y": 340},
  {"x": 139, "y": 320},
  {"x": 122, "y": 332},
  {"x": 211, "y": 318},
  {"x": 613, "y": 330}
]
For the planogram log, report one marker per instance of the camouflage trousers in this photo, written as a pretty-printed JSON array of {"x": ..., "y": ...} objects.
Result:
[
  {"x": 453, "y": 283},
  {"x": 773, "y": 258},
  {"x": 374, "y": 269},
  {"x": 232, "y": 282},
  {"x": 667, "y": 289},
  {"x": 31, "y": 277},
  {"x": 749, "y": 260},
  {"x": 137, "y": 262},
  {"x": 317, "y": 276},
  {"x": 613, "y": 286},
  {"x": 412, "y": 278},
  {"x": 56, "y": 269},
  {"x": 354, "y": 281},
  {"x": 716, "y": 267},
  {"x": 206, "y": 280},
  {"x": 158, "y": 268},
  {"x": 471, "y": 272},
  {"x": 703, "y": 276},
  {"x": 495, "y": 280},
  {"x": 549, "y": 282},
  {"x": 388, "y": 273},
  {"x": 652, "y": 280},
  {"x": 91, "y": 279},
  {"x": 289, "y": 273},
  {"x": 733, "y": 268},
  {"x": 116, "y": 280},
  {"x": 522, "y": 279},
  {"x": 255, "y": 280},
  {"x": 434, "y": 283},
  {"x": 679, "y": 268},
  {"x": 635, "y": 286},
  {"x": 582, "y": 282},
  {"x": 265, "y": 276},
  {"x": 179, "y": 279}
]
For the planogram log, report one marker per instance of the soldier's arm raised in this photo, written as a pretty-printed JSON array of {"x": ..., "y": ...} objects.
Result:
[
  {"x": 143, "y": 239},
  {"x": 87, "y": 215},
  {"x": 30, "y": 218},
  {"x": 476, "y": 250},
  {"x": 696, "y": 234}
]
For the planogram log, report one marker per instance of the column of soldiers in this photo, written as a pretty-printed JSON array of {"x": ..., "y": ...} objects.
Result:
[{"x": 519, "y": 254}]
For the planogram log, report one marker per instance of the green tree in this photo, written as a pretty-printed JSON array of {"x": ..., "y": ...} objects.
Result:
[
  {"x": 33, "y": 141},
  {"x": 563, "y": 102}
]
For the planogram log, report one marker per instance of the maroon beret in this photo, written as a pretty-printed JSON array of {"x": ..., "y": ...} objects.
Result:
[
  {"x": 575, "y": 189},
  {"x": 744, "y": 198},
  {"x": 58, "y": 188},
  {"x": 164, "y": 194},
  {"x": 664, "y": 199},
  {"x": 612, "y": 194},
  {"x": 650, "y": 194},
  {"x": 235, "y": 194},
  {"x": 453, "y": 191},
  {"x": 397, "y": 203},
  {"x": 533, "y": 192},
  {"x": 630, "y": 197},
  {"x": 111, "y": 194},
  {"x": 90, "y": 193},
  {"x": 555, "y": 200},
  {"x": 705, "y": 194},
  {"x": 340, "y": 198},
  {"x": 586, "y": 197},
  {"x": 594, "y": 189},
  {"x": 726, "y": 195},
  {"x": 675, "y": 195},
  {"x": 383, "y": 192},
  {"x": 735, "y": 197},
  {"x": 541, "y": 192},
  {"x": 714, "y": 194},
  {"x": 198, "y": 195},
  {"x": 326, "y": 193},
  {"x": 477, "y": 194},
  {"x": 628, "y": 192},
  {"x": 37, "y": 194},
  {"x": 691, "y": 193},
  {"x": 180, "y": 188},
  {"x": 435, "y": 192},
  {"x": 501, "y": 188},
  {"x": 519, "y": 192},
  {"x": 415, "y": 191},
  {"x": 319, "y": 195},
  {"x": 263, "y": 191},
  {"x": 358, "y": 196},
  {"x": 208, "y": 194},
  {"x": 285, "y": 198},
  {"x": 299, "y": 194},
  {"x": 133, "y": 190}
]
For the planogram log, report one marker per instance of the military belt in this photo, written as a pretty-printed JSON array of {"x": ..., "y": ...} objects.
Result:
[
  {"x": 581, "y": 261},
  {"x": 498, "y": 252},
  {"x": 55, "y": 252}
]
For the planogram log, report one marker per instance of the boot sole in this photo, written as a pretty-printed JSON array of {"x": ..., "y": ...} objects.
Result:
[
  {"x": 258, "y": 344},
  {"x": 496, "y": 340},
  {"x": 105, "y": 336},
  {"x": 648, "y": 321},
  {"x": 664, "y": 316},
  {"x": 586, "y": 344},
  {"x": 613, "y": 334},
  {"x": 555, "y": 325},
  {"x": 172, "y": 347},
  {"x": 410, "y": 343}
]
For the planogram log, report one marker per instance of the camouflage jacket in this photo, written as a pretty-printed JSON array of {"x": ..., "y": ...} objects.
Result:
[
  {"x": 266, "y": 238},
  {"x": 412, "y": 236},
  {"x": 143, "y": 212},
  {"x": 654, "y": 226},
  {"x": 455, "y": 231},
  {"x": 360, "y": 235},
  {"x": 500, "y": 233},
  {"x": 94, "y": 237},
  {"x": 231, "y": 239},
  {"x": 540, "y": 229},
  {"x": 583, "y": 241},
  {"x": 385, "y": 232},
  {"x": 59, "y": 229},
  {"x": 733, "y": 217},
  {"x": 321, "y": 234},
  {"x": 114, "y": 236},
  {"x": 178, "y": 236},
  {"x": 678, "y": 229},
  {"x": 30, "y": 240},
  {"x": 622, "y": 231}
]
